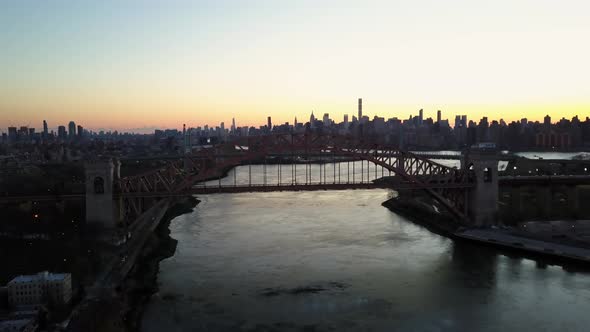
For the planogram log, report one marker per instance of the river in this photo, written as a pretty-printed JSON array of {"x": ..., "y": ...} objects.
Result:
[{"x": 339, "y": 261}]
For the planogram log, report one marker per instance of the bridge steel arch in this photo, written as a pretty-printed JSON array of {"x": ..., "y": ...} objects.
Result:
[{"x": 446, "y": 185}]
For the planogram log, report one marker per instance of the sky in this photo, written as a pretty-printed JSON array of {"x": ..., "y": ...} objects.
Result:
[{"x": 142, "y": 64}]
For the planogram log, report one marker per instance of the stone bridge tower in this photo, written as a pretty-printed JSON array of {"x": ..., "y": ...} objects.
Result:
[
  {"x": 482, "y": 199},
  {"x": 103, "y": 210}
]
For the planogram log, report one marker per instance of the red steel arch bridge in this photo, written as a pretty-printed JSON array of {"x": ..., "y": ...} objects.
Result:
[{"x": 298, "y": 162}]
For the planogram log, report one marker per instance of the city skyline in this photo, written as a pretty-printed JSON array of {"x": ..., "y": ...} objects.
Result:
[
  {"x": 346, "y": 118},
  {"x": 309, "y": 165},
  {"x": 131, "y": 66},
  {"x": 189, "y": 121}
]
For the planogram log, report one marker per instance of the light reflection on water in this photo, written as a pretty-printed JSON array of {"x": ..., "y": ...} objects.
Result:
[
  {"x": 337, "y": 172},
  {"x": 396, "y": 276}
]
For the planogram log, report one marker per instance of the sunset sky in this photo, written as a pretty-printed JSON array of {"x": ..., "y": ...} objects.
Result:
[{"x": 134, "y": 64}]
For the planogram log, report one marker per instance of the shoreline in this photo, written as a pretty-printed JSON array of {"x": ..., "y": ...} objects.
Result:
[
  {"x": 419, "y": 214},
  {"x": 142, "y": 282},
  {"x": 121, "y": 308}
]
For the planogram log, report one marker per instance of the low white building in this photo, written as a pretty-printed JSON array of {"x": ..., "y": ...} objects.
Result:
[
  {"x": 41, "y": 288},
  {"x": 18, "y": 325}
]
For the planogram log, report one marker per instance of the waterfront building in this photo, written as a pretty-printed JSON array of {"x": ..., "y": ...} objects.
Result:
[{"x": 41, "y": 288}]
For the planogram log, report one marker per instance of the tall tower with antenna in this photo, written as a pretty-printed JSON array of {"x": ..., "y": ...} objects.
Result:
[{"x": 360, "y": 109}]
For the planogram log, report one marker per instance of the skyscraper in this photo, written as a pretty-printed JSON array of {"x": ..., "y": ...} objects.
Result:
[
  {"x": 80, "y": 131},
  {"x": 233, "y": 125},
  {"x": 72, "y": 129},
  {"x": 269, "y": 124},
  {"x": 360, "y": 108},
  {"x": 12, "y": 133},
  {"x": 420, "y": 116},
  {"x": 438, "y": 116},
  {"x": 45, "y": 129},
  {"x": 61, "y": 132},
  {"x": 346, "y": 120}
]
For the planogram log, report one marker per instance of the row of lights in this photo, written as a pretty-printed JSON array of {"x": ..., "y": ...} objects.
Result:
[{"x": 536, "y": 169}]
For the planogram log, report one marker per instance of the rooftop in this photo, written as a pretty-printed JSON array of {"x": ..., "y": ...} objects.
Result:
[
  {"x": 45, "y": 275},
  {"x": 15, "y": 324}
]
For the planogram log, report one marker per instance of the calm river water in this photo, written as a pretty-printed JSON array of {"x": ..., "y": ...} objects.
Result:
[{"x": 339, "y": 261}]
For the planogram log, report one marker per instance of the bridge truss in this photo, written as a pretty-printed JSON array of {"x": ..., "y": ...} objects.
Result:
[{"x": 445, "y": 184}]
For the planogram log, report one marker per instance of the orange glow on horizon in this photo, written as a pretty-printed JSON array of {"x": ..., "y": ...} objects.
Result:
[
  {"x": 158, "y": 115},
  {"x": 106, "y": 65}
]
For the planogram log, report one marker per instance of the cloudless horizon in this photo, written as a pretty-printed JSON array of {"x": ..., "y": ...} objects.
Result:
[{"x": 144, "y": 64}]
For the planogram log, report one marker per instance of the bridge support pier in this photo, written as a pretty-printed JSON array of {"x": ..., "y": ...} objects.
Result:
[
  {"x": 516, "y": 202},
  {"x": 573, "y": 199},
  {"x": 103, "y": 211},
  {"x": 482, "y": 204},
  {"x": 544, "y": 202}
]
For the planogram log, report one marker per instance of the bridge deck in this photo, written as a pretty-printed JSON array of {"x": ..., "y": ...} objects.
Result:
[
  {"x": 201, "y": 190},
  {"x": 545, "y": 180}
]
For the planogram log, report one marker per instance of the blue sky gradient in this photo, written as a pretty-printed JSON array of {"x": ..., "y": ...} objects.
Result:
[{"x": 128, "y": 64}]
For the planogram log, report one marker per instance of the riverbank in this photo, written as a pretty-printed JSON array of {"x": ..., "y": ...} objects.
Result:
[
  {"x": 141, "y": 283},
  {"x": 506, "y": 239},
  {"x": 418, "y": 208},
  {"x": 120, "y": 309}
]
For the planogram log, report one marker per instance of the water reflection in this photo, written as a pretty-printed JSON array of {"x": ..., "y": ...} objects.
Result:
[{"x": 340, "y": 261}]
